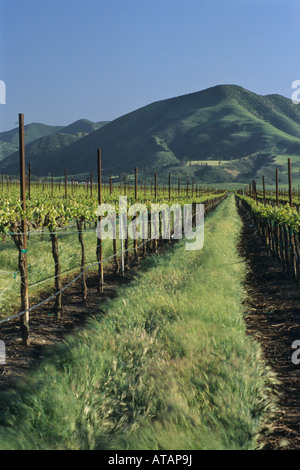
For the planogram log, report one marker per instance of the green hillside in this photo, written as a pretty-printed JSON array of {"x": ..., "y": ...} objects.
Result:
[
  {"x": 42, "y": 148},
  {"x": 32, "y": 132},
  {"x": 243, "y": 131},
  {"x": 9, "y": 141},
  {"x": 6, "y": 149},
  {"x": 83, "y": 125}
]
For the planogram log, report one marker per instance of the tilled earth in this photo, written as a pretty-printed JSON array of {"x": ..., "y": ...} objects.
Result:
[{"x": 273, "y": 318}]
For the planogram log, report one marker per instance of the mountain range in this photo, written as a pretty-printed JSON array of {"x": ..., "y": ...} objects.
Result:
[
  {"x": 222, "y": 134},
  {"x": 42, "y": 139}
]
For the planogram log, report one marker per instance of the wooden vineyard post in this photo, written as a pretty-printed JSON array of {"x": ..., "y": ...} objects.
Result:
[
  {"x": 126, "y": 254},
  {"x": 121, "y": 235},
  {"x": 264, "y": 189},
  {"x": 290, "y": 182},
  {"x": 291, "y": 233},
  {"x": 56, "y": 258},
  {"x": 83, "y": 277},
  {"x": 169, "y": 186},
  {"x": 178, "y": 186},
  {"x": 277, "y": 191},
  {"x": 117, "y": 267},
  {"x": 126, "y": 260},
  {"x": 99, "y": 240},
  {"x": 155, "y": 239},
  {"x": 29, "y": 180},
  {"x": 91, "y": 184},
  {"x": 145, "y": 233},
  {"x": 110, "y": 185},
  {"x": 254, "y": 191},
  {"x": 136, "y": 184},
  {"x": 136, "y": 199},
  {"x": 24, "y": 321},
  {"x": 66, "y": 185}
]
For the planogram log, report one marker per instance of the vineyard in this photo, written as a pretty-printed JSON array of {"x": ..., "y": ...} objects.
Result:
[
  {"x": 149, "y": 229},
  {"x": 54, "y": 233},
  {"x": 145, "y": 372},
  {"x": 168, "y": 353},
  {"x": 277, "y": 219}
]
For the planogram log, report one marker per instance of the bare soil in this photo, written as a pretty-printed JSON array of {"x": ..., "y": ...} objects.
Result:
[{"x": 273, "y": 319}]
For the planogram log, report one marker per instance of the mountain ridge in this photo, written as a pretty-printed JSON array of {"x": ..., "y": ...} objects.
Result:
[
  {"x": 42, "y": 138},
  {"x": 222, "y": 133}
]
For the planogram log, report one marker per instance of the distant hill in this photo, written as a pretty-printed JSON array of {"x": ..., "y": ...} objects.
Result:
[
  {"x": 9, "y": 141},
  {"x": 42, "y": 147},
  {"x": 222, "y": 134},
  {"x": 83, "y": 125}
]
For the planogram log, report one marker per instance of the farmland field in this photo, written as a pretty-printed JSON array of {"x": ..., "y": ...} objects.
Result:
[
  {"x": 159, "y": 371},
  {"x": 133, "y": 370},
  {"x": 149, "y": 228}
]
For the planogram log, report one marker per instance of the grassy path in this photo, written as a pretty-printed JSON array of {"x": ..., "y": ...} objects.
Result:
[{"x": 169, "y": 366}]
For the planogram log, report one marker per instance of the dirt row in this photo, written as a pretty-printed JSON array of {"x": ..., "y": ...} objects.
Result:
[{"x": 273, "y": 319}]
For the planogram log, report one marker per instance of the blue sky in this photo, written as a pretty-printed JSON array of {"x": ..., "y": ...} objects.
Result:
[{"x": 63, "y": 60}]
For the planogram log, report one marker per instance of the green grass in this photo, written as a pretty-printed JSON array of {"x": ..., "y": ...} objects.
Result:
[{"x": 169, "y": 365}]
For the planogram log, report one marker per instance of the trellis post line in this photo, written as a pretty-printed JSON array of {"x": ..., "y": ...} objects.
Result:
[
  {"x": 66, "y": 182},
  {"x": 29, "y": 179},
  {"x": 136, "y": 183},
  {"x": 290, "y": 182},
  {"x": 277, "y": 188},
  {"x": 264, "y": 189},
  {"x": 99, "y": 240},
  {"x": 23, "y": 266}
]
